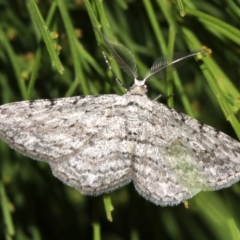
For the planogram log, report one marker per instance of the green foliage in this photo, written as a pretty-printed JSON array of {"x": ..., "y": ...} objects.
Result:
[{"x": 50, "y": 50}]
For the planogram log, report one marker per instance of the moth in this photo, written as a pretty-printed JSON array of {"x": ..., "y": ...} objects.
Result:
[{"x": 97, "y": 144}]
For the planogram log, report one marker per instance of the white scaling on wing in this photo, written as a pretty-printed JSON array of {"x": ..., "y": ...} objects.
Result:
[{"x": 99, "y": 143}]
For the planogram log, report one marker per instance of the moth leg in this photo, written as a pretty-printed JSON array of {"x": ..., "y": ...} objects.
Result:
[{"x": 161, "y": 96}]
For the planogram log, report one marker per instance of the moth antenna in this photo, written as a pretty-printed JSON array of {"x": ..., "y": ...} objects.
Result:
[
  {"x": 163, "y": 65},
  {"x": 121, "y": 54},
  {"x": 114, "y": 74}
]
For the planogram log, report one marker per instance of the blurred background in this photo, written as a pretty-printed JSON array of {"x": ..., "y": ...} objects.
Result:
[{"x": 49, "y": 49}]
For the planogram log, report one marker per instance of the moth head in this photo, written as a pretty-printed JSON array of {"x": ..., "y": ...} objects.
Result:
[{"x": 138, "y": 87}]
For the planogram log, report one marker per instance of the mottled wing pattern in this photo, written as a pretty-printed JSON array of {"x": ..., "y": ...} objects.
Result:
[
  {"x": 79, "y": 136},
  {"x": 206, "y": 158},
  {"x": 153, "y": 178},
  {"x": 185, "y": 158},
  {"x": 102, "y": 164}
]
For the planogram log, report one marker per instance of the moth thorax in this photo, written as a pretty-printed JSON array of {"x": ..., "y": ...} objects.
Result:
[{"x": 138, "y": 88}]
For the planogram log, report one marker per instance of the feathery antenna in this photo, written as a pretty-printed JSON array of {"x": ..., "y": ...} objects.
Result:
[
  {"x": 160, "y": 67},
  {"x": 164, "y": 65}
]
